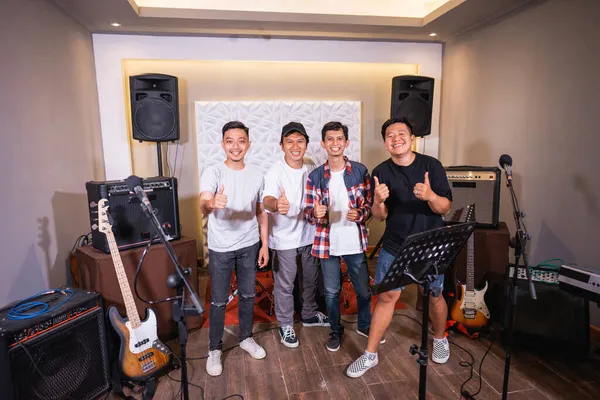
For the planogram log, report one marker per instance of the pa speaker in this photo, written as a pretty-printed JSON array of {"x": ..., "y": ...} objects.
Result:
[
  {"x": 412, "y": 98},
  {"x": 154, "y": 107}
]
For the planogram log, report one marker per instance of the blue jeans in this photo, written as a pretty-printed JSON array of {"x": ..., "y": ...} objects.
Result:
[
  {"x": 359, "y": 275},
  {"x": 384, "y": 262}
]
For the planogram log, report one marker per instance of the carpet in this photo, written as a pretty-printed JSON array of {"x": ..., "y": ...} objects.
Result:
[{"x": 264, "y": 302}]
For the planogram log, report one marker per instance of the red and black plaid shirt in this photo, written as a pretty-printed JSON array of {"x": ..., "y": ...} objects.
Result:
[{"x": 358, "y": 184}]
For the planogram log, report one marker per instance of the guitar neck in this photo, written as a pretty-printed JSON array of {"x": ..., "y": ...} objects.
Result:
[
  {"x": 471, "y": 263},
  {"x": 130, "y": 307}
]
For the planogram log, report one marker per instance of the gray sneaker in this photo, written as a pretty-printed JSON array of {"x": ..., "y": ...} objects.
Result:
[
  {"x": 288, "y": 337},
  {"x": 319, "y": 319}
]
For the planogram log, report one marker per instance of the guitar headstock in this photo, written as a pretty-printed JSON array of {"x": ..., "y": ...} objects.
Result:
[
  {"x": 104, "y": 218},
  {"x": 470, "y": 213}
]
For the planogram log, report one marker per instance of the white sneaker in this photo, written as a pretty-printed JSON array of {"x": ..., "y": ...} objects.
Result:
[
  {"x": 362, "y": 365},
  {"x": 214, "y": 367},
  {"x": 253, "y": 348},
  {"x": 441, "y": 351}
]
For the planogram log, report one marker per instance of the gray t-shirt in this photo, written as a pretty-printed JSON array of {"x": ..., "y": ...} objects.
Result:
[{"x": 235, "y": 226}]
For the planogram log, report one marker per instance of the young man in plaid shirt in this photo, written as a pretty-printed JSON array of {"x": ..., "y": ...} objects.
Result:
[{"x": 338, "y": 201}]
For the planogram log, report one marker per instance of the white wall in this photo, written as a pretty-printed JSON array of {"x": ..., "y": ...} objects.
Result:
[
  {"x": 111, "y": 50},
  {"x": 529, "y": 86},
  {"x": 50, "y": 127}
]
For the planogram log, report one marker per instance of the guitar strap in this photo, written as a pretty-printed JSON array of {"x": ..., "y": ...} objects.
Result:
[
  {"x": 150, "y": 389},
  {"x": 117, "y": 386},
  {"x": 451, "y": 324}
]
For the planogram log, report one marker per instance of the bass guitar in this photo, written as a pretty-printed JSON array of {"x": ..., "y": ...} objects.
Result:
[{"x": 142, "y": 355}]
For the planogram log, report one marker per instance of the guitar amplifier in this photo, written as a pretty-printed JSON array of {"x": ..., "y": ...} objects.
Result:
[
  {"x": 130, "y": 225},
  {"x": 475, "y": 185},
  {"x": 60, "y": 354}
]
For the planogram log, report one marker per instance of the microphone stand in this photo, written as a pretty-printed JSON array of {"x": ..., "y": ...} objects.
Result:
[
  {"x": 521, "y": 238},
  {"x": 179, "y": 281}
]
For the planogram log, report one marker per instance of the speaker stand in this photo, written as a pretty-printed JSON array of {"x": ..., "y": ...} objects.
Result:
[{"x": 159, "y": 156}]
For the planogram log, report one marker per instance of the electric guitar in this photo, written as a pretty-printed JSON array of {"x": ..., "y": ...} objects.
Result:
[
  {"x": 470, "y": 309},
  {"x": 141, "y": 354}
]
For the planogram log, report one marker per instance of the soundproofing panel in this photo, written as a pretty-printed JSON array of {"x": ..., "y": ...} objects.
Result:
[{"x": 265, "y": 120}]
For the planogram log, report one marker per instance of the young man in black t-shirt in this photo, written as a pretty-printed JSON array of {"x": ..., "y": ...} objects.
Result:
[{"x": 411, "y": 193}]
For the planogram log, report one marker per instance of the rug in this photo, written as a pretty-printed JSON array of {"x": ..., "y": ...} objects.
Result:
[{"x": 264, "y": 302}]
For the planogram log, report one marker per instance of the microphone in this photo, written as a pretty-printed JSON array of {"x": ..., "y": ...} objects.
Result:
[
  {"x": 506, "y": 163},
  {"x": 134, "y": 184}
]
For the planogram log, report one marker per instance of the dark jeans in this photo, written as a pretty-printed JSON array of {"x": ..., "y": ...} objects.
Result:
[
  {"x": 220, "y": 268},
  {"x": 359, "y": 275}
]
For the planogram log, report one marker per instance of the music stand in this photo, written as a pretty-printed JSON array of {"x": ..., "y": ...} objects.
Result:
[{"x": 421, "y": 258}]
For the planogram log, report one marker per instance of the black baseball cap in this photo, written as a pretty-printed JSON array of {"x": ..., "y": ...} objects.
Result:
[{"x": 292, "y": 127}]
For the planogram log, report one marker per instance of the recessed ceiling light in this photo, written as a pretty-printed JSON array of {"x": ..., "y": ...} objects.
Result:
[
  {"x": 433, "y": 34},
  {"x": 116, "y": 24}
]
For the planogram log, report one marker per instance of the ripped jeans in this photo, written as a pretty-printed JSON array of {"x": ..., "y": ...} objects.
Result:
[{"x": 220, "y": 268}]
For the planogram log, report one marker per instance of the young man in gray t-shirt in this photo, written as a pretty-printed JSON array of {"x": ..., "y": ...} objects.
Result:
[{"x": 231, "y": 196}]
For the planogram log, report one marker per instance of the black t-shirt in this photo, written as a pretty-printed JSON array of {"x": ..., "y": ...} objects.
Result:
[{"x": 406, "y": 213}]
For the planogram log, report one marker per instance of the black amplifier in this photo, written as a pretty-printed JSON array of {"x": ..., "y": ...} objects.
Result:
[
  {"x": 60, "y": 354},
  {"x": 130, "y": 225},
  {"x": 475, "y": 185}
]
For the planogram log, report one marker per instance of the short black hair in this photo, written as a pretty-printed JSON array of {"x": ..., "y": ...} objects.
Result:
[
  {"x": 396, "y": 120},
  {"x": 236, "y": 125},
  {"x": 334, "y": 126}
]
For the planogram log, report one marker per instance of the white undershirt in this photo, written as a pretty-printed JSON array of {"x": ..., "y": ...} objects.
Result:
[{"x": 344, "y": 236}]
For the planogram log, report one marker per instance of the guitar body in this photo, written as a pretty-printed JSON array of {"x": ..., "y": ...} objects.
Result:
[
  {"x": 141, "y": 354},
  {"x": 469, "y": 308}
]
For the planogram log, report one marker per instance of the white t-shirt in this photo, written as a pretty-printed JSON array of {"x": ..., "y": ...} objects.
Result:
[
  {"x": 235, "y": 226},
  {"x": 344, "y": 236},
  {"x": 292, "y": 230}
]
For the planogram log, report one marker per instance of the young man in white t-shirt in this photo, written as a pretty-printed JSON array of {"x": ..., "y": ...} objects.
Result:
[
  {"x": 338, "y": 201},
  {"x": 290, "y": 234},
  {"x": 231, "y": 196}
]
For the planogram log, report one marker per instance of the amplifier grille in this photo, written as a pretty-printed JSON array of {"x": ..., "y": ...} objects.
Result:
[{"x": 70, "y": 360}]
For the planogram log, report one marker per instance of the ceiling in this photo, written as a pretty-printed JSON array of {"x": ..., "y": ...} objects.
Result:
[{"x": 391, "y": 20}]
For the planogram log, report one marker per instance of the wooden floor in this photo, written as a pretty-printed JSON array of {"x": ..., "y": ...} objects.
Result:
[{"x": 312, "y": 372}]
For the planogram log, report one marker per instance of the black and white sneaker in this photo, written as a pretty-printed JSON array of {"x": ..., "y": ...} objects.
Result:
[
  {"x": 319, "y": 319},
  {"x": 441, "y": 351},
  {"x": 333, "y": 344},
  {"x": 365, "y": 333},
  {"x": 362, "y": 364},
  {"x": 288, "y": 337}
]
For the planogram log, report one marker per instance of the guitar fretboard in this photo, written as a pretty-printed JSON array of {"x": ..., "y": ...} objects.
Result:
[
  {"x": 130, "y": 307},
  {"x": 471, "y": 263}
]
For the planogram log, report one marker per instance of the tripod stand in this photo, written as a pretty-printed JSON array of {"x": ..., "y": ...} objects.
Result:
[
  {"x": 422, "y": 257},
  {"x": 510, "y": 297},
  {"x": 178, "y": 281}
]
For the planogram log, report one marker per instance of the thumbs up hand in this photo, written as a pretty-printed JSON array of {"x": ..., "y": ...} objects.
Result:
[
  {"x": 283, "y": 205},
  {"x": 423, "y": 190},
  {"x": 381, "y": 192},
  {"x": 319, "y": 209},
  {"x": 352, "y": 213},
  {"x": 219, "y": 200}
]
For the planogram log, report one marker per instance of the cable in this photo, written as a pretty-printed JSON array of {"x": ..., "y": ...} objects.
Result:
[
  {"x": 35, "y": 365},
  {"x": 234, "y": 395},
  {"x": 137, "y": 272},
  {"x": 23, "y": 309},
  {"x": 175, "y": 162},
  {"x": 465, "y": 364},
  {"x": 232, "y": 347}
]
